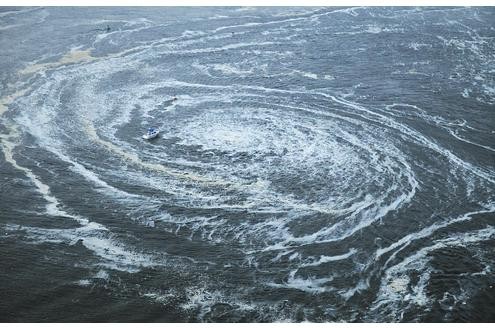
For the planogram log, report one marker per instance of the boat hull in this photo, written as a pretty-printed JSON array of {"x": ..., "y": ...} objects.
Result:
[{"x": 150, "y": 136}]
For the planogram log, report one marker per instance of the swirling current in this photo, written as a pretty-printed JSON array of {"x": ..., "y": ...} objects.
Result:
[{"x": 318, "y": 164}]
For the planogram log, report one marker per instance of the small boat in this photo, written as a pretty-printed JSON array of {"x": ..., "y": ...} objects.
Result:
[{"x": 151, "y": 133}]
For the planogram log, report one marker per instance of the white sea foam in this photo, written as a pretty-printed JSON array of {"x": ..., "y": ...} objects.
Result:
[
  {"x": 84, "y": 282},
  {"x": 203, "y": 299},
  {"x": 52, "y": 206},
  {"x": 326, "y": 259},
  {"x": 230, "y": 69},
  {"x": 325, "y": 150},
  {"x": 307, "y": 74},
  {"x": 94, "y": 237},
  {"x": 102, "y": 274},
  {"x": 396, "y": 285},
  {"x": 418, "y": 46},
  {"x": 310, "y": 285}
]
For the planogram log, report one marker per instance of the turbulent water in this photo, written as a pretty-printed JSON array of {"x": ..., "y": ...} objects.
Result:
[{"x": 319, "y": 164}]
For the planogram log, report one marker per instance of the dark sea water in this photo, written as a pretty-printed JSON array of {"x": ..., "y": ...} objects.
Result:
[{"x": 320, "y": 164}]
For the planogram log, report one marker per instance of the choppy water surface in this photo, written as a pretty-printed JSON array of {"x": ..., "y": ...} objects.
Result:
[{"x": 320, "y": 164}]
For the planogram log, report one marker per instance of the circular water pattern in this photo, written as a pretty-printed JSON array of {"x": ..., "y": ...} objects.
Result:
[{"x": 287, "y": 183}]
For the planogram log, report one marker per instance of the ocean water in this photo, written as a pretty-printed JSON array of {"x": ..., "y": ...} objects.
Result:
[{"x": 319, "y": 164}]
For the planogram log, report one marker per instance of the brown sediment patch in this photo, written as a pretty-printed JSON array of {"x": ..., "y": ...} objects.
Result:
[
  {"x": 9, "y": 99},
  {"x": 72, "y": 57}
]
